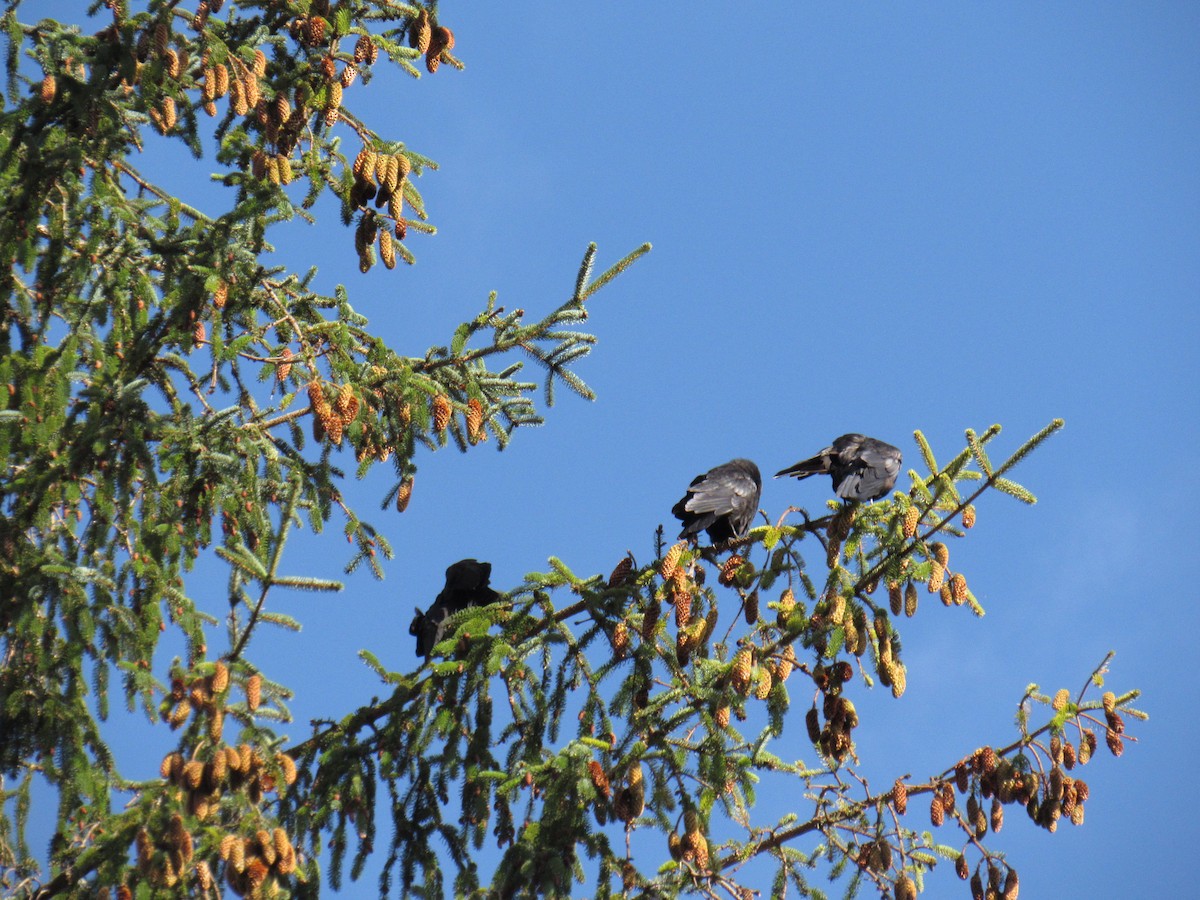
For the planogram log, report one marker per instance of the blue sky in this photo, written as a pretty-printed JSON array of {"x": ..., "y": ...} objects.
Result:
[{"x": 875, "y": 218}]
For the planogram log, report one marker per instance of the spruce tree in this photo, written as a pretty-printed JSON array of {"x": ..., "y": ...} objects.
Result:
[{"x": 168, "y": 393}]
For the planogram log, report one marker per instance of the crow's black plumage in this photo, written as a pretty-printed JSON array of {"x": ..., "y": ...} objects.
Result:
[
  {"x": 862, "y": 468},
  {"x": 721, "y": 502},
  {"x": 466, "y": 585}
]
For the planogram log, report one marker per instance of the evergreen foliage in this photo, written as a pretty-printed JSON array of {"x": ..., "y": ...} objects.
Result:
[{"x": 165, "y": 392}]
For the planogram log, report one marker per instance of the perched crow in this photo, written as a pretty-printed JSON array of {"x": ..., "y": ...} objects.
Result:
[
  {"x": 722, "y": 501},
  {"x": 466, "y": 585},
  {"x": 862, "y": 467}
]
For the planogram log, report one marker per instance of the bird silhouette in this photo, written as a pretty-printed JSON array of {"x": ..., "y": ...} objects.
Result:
[{"x": 466, "y": 585}]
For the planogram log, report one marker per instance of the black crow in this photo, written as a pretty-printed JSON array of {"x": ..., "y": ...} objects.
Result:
[
  {"x": 466, "y": 585},
  {"x": 862, "y": 468},
  {"x": 722, "y": 501}
]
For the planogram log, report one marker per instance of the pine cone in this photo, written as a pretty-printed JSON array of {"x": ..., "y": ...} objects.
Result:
[
  {"x": 251, "y": 92},
  {"x": 475, "y": 431},
  {"x": 253, "y": 692},
  {"x": 599, "y": 779},
  {"x": 281, "y": 109},
  {"x": 288, "y": 766},
  {"x": 161, "y": 35},
  {"x": 442, "y": 410},
  {"x": 620, "y": 572},
  {"x": 910, "y": 599},
  {"x": 171, "y": 767},
  {"x": 750, "y": 608},
  {"x": 670, "y": 562},
  {"x": 674, "y": 845},
  {"x": 912, "y": 518},
  {"x": 637, "y": 789},
  {"x": 743, "y": 662},
  {"x": 363, "y": 167},
  {"x": 620, "y": 640},
  {"x": 683, "y": 608},
  {"x": 730, "y": 569},
  {"x": 650, "y": 620},
  {"x": 363, "y": 48},
  {"x": 220, "y": 81},
  {"x": 179, "y": 713},
  {"x": 167, "y": 114},
  {"x": 787, "y": 603},
  {"x": 900, "y": 797},
  {"x": 968, "y": 517},
  {"x": 700, "y": 851},
  {"x": 762, "y": 689},
  {"x": 898, "y": 676},
  {"x": 987, "y": 759},
  {"x": 333, "y": 108},
  {"x": 958, "y": 588},
  {"x": 937, "y": 813},
  {"x": 404, "y": 494},
  {"x": 331, "y": 423},
  {"x": 976, "y": 817},
  {"x": 421, "y": 32},
  {"x": 1011, "y": 886},
  {"x": 284, "y": 369},
  {"x": 216, "y": 724},
  {"x": 937, "y": 574},
  {"x": 1116, "y": 746},
  {"x": 812, "y": 722},
  {"x": 856, "y": 641},
  {"x": 895, "y": 597},
  {"x": 347, "y": 404},
  {"x": 314, "y": 31},
  {"x": 1087, "y": 746},
  {"x": 238, "y": 97},
  {"x": 785, "y": 664},
  {"x": 683, "y": 647},
  {"x": 280, "y": 843}
]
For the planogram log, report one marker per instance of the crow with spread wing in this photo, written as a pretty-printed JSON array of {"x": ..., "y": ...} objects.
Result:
[
  {"x": 722, "y": 501},
  {"x": 862, "y": 468}
]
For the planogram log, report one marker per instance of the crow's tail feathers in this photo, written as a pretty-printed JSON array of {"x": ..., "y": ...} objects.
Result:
[{"x": 817, "y": 465}]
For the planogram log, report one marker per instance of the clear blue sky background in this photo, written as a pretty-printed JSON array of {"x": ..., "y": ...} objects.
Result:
[{"x": 876, "y": 217}]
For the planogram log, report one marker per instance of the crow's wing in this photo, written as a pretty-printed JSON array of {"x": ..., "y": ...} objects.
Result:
[
  {"x": 723, "y": 489},
  {"x": 871, "y": 473},
  {"x": 730, "y": 491}
]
